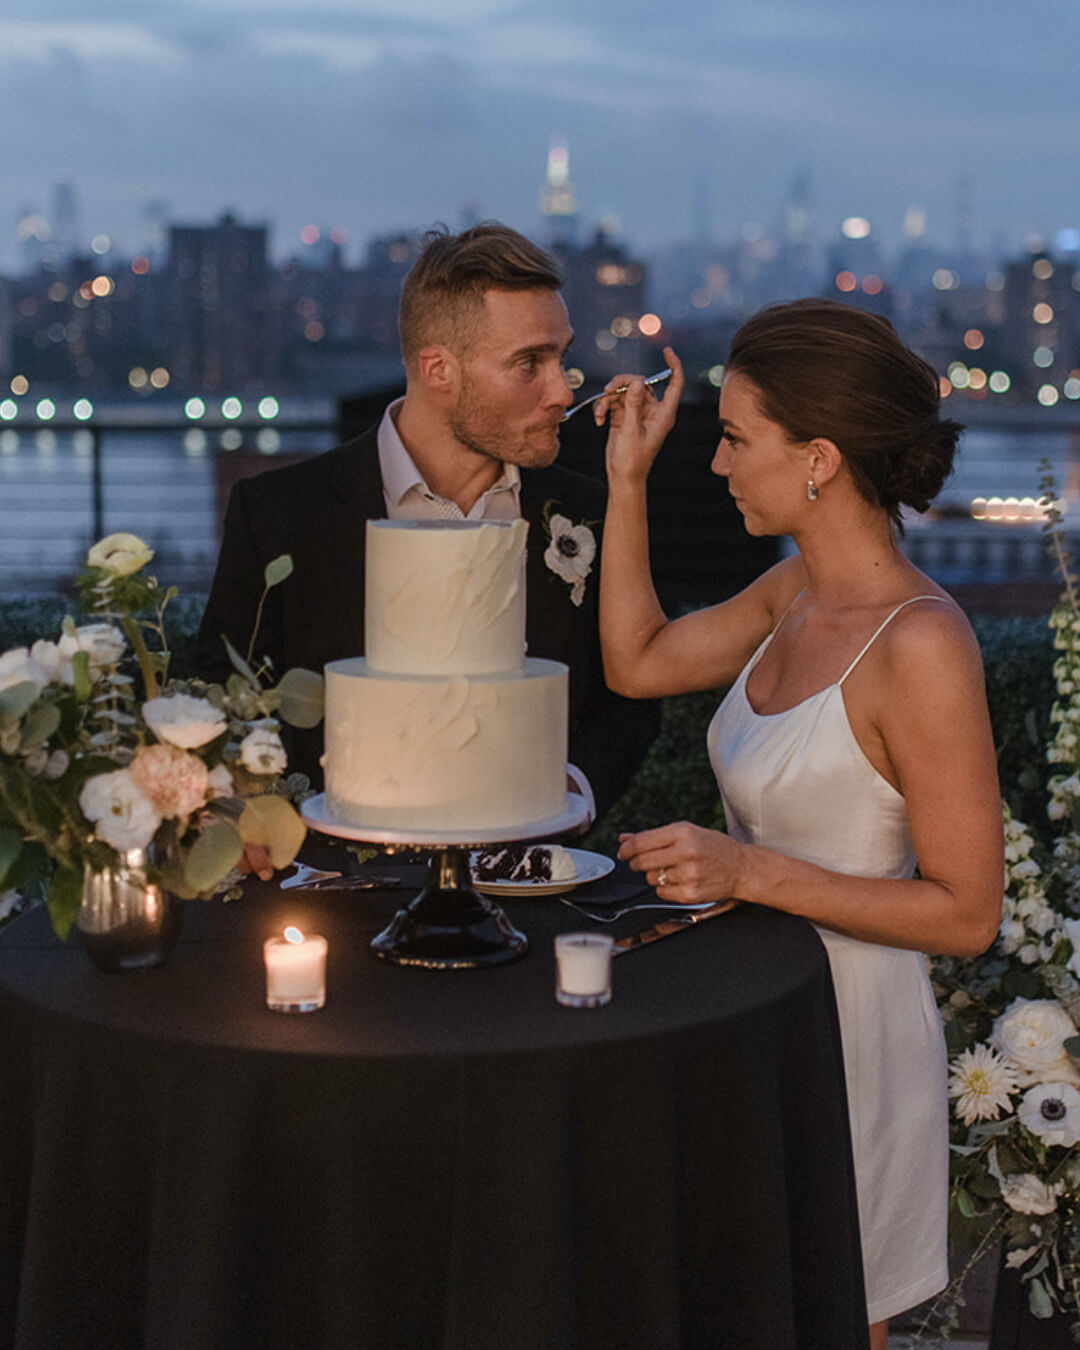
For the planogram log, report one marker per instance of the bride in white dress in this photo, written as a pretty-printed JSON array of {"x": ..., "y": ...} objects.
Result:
[{"x": 854, "y": 744}]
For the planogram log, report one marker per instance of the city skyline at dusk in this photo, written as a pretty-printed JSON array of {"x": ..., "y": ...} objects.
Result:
[{"x": 688, "y": 123}]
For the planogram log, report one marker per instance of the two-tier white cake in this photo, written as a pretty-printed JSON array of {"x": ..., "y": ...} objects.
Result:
[{"x": 445, "y": 724}]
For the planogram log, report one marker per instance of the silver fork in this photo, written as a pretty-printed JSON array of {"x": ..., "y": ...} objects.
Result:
[
  {"x": 631, "y": 909},
  {"x": 652, "y": 379}
]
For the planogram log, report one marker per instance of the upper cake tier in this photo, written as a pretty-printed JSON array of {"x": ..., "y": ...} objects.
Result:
[{"x": 445, "y": 597}]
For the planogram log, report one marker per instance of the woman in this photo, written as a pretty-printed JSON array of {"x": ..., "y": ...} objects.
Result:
[{"x": 855, "y": 740}]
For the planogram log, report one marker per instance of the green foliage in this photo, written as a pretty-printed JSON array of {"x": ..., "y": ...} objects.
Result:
[
  {"x": 674, "y": 782},
  {"x": 1018, "y": 657}
]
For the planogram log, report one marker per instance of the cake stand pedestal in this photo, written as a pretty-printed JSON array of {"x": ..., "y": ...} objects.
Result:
[{"x": 448, "y": 925}]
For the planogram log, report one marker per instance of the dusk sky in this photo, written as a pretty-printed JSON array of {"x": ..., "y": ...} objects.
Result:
[{"x": 377, "y": 115}]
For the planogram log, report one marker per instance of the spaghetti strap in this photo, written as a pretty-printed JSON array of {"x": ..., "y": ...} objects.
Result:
[{"x": 883, "y": 625}]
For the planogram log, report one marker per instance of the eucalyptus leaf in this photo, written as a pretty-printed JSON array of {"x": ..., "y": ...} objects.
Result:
[
  {"x": 43, "y": 721},
  {"x": 65, "y": 897},
  {"x": 301, "y": 693},
  {"x": 1039, "y": 1300},
  {"x": 11, "y": 845},
  {"x": 965, "y": 1204},
  {"x": 238, "y": 661},
  {"x": 216, "y": 849},
  {"x": 277, "y": 570},
  {"x": 272, "y": 822},
  {"x": 1072, "y": 1047},
  {"x": 16, "y": 699}
]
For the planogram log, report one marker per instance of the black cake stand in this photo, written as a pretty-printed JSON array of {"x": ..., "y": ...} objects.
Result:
[{"x": 448, "y": 925}]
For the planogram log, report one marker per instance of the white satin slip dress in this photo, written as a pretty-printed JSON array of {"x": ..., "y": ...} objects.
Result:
[{"x": 798, "y": 782}]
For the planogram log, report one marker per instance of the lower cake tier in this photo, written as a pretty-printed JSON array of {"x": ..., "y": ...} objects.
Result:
[{"x": 471, "y": 753}]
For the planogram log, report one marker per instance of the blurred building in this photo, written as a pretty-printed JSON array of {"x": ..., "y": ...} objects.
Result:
[
  {"x": 604, "y": 289},
  {"x": 216, "y": 288},
  {"x": 1040, "y": 337}
]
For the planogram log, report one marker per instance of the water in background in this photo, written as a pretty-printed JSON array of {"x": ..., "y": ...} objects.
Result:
[{"x": 163, "y": 486}]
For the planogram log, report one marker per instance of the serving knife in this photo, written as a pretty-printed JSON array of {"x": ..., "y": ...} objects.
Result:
[{"x": 669, "y": 926}]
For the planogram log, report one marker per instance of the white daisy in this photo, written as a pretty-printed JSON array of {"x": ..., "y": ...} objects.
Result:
[{"x": 982, "y": 1083}]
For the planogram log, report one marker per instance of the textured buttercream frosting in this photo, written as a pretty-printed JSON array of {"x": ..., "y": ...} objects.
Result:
[
  {"x": 445, "y": 597},
  {"x": 465, "y": 753}
]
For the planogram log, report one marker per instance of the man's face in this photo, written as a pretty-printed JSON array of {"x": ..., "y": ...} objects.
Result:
[{"x": 513, "y": 392}]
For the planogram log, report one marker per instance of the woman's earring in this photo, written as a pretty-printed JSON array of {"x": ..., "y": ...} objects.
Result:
[{"x": 811, "y": 489}]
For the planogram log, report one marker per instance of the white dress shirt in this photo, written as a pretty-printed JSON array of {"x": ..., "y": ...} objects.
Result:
[{"x": 408, "y": 497}]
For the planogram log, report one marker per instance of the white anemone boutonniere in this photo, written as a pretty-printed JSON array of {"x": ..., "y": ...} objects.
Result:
[{"x": 571, "y": 551}]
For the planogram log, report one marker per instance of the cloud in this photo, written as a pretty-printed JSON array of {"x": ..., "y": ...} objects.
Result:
[{"x": 379, "y": 114}]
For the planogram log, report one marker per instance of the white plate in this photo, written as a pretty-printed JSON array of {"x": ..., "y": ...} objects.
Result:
[{"x": 590, "y": 867}]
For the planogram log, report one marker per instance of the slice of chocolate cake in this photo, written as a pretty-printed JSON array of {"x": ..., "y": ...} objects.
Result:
[{"x": 521, "y": 862}]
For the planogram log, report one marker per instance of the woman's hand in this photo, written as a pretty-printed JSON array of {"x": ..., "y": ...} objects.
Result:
[
  {"x": 639, "y": 421},
  {"x": 684, "y": 862}
]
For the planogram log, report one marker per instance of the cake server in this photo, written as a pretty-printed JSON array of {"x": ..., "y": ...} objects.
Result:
[
  {"x": 652, "y": 379},
  {"x": 669, "y": 926}
]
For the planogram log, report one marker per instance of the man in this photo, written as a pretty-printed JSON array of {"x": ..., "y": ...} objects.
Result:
[{"x": 483, "y": 334}]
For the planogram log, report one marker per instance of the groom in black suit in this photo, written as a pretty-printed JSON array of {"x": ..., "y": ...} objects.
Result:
[{"x": 483, "y": 332}]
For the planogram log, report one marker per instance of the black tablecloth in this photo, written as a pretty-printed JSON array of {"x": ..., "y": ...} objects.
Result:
[{"x": 437, "y": 1160}]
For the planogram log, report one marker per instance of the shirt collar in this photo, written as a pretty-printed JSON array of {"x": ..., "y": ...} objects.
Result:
[{"x": 400, "y": 474}]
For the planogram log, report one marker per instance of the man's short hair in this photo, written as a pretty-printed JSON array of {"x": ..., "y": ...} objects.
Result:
[{"x": 444, "y": 292}]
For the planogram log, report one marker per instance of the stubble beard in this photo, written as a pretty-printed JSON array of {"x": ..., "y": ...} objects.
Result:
[{"x": 478, "y": 429}]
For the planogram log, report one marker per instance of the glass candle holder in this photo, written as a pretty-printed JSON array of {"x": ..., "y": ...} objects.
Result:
[
  {"x": 583, "y": 969},
  {"x": 295, "y": 971}
]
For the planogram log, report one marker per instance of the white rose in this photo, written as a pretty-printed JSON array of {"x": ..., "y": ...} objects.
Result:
[
  {"x": 103, "y": 643},
  {"x": 122, "y": 813},
  {"x": 1030, "y": 1034},
  {"x": 219, "y": 782},
  {"x": 1028, "y": 953},
  {"x": 183, "y": 720},
  {"x": 261, "y": 751},
  {"x": 1025, "y": 1193},
  {"x": 119, "y": 554},
  {"x": 17, "y": 666},
  {"x": 49, "y": 658}
]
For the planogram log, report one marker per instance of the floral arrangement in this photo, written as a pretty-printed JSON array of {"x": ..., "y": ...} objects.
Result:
[
  {"x": 570, "y": 552},
  {"x": 101, "y": 753},
  {"x": 1011, "y": 1022}
]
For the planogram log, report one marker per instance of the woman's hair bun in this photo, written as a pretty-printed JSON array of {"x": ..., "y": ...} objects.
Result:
[{"x": 826, "y": 369}]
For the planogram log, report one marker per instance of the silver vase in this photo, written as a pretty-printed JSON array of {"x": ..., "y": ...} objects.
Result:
[{"x": 127, "y": 922}]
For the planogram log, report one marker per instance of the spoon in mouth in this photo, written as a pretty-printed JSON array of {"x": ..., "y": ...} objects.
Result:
[{"x": 609, "y": 393}]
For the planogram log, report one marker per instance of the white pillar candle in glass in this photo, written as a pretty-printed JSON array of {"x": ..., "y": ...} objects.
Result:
[
  {"x": 295, "y": 971},
  {"x": 583, "y": 969}
]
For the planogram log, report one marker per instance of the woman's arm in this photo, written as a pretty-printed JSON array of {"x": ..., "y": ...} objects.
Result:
[
  {"x": 646, "y": 655},
  {"x": 931, "y": 713}
]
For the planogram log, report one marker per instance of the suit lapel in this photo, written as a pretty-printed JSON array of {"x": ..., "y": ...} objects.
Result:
[{"x": 353, "y": 495}]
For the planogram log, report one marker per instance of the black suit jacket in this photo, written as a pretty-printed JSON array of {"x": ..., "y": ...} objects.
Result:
[{"x": 316, "y": 511}]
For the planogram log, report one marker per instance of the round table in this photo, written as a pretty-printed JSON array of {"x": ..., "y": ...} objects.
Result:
[{"x": 436, "y": 1160}]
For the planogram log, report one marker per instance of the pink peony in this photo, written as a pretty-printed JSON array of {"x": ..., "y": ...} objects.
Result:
[{"x": 175, "y": 781}]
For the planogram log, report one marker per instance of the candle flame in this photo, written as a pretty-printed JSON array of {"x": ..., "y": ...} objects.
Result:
[{"x": 293, "y": 935}]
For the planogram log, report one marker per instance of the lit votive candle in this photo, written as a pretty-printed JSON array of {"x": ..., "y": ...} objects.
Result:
[
  {"x": 295, "y": 971},
  {"x": 583, "y": 969}
]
